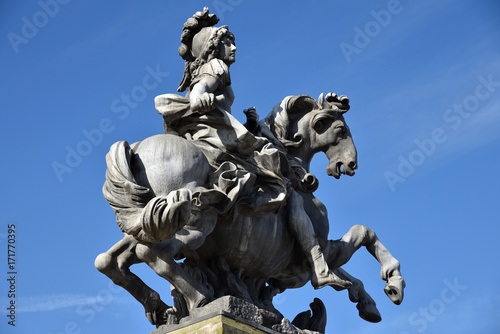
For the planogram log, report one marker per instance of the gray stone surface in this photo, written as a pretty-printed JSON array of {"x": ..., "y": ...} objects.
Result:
[
  {"x": 231, "y": 307},
  {"x": 237, "y": 307},
  {"x": 246, "y": 313},
  {"x": 234, "y": 201},
  {"x": 217, "y": 322}
]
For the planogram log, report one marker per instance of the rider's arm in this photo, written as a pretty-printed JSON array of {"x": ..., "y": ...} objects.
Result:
[{"x": 202, "y": 96}]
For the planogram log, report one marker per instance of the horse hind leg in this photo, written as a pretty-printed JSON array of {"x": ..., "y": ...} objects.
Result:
[
  {"x": 340, "y": 251},
  {"x": 163, "y": 263},
  {"x": 115, "y": 264},
  {"x": 192, "y": 229}
]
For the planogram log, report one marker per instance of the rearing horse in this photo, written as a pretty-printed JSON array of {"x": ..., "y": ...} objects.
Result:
[{"x": 157, "y": 187}]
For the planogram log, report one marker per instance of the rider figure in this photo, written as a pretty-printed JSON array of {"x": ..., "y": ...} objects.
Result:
[{"x": 204, "y": 116}]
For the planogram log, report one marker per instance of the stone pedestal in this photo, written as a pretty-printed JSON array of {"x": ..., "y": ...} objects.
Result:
[
  {"x": 231, "y": 315},
  {"x": 222, "y": 323}
]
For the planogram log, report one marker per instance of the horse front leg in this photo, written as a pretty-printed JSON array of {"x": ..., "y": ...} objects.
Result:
[
  {"x": 115, "y": 264},
  {"x": 357, "y": 294},
  {"x": 302, "y": 230},
  {"x": 340, "y": 251}
]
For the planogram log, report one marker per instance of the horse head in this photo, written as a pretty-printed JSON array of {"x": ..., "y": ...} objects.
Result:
[{"x": 305, "y": 126}]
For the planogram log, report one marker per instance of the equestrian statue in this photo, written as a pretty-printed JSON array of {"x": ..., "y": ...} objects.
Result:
[{"x": 220, "y": 208}]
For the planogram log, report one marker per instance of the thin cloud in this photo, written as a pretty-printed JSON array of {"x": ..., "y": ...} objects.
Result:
[{"x": 46, "y": 303}]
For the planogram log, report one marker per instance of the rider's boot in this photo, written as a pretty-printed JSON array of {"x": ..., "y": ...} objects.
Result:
[{"x": 321, "y": 274}]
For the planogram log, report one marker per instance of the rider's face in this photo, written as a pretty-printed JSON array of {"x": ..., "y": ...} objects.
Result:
[{"x": 227, "y": 50}]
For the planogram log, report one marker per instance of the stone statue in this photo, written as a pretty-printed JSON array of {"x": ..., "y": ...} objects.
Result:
[{"x": 234, "y": 201}]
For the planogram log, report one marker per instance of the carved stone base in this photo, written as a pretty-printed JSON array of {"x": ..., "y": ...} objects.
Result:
[
  {"x": 233, "y": 315},
  {"x": 221, "y": 324},
  {"x": 232, "y": 310}
]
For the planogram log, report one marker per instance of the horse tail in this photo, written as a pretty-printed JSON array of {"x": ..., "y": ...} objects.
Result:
[
  {"x": 126, "y": 197},
  {"x": 138, "y": 212}
]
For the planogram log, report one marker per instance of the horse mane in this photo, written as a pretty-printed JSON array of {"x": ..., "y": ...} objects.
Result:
[
  {"x": 283, "y": 115},
  {"x": 277, "y": 128}
]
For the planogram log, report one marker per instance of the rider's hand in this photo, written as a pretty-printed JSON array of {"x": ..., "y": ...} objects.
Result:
[
  {"x": 252, "y": 119},
  {"x": 251, "y": 114},
  {"x": 205, "y": 102}
]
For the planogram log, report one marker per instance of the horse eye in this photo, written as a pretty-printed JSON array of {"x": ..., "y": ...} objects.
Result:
[{"x": 318, "y": 125}]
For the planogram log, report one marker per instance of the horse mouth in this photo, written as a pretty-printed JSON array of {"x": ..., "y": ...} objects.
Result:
[{"x": 339, "y": 169}]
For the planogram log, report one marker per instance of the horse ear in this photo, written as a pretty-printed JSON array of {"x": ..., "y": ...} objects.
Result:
[{"x": 321, "y": 100}]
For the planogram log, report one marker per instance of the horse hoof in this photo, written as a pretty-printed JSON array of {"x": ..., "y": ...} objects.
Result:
[
  {"x": 157, "y": 311},
  {"x": 369, "y": 312},
  {"x": 201, "y": 301},
  {"x": 394, "y": 289}
]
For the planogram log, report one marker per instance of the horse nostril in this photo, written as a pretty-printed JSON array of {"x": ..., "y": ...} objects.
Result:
[{"x": 352, "y": 165}]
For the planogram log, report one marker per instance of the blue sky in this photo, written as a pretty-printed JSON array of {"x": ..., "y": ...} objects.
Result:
[{"x": 424, "y": 85}]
